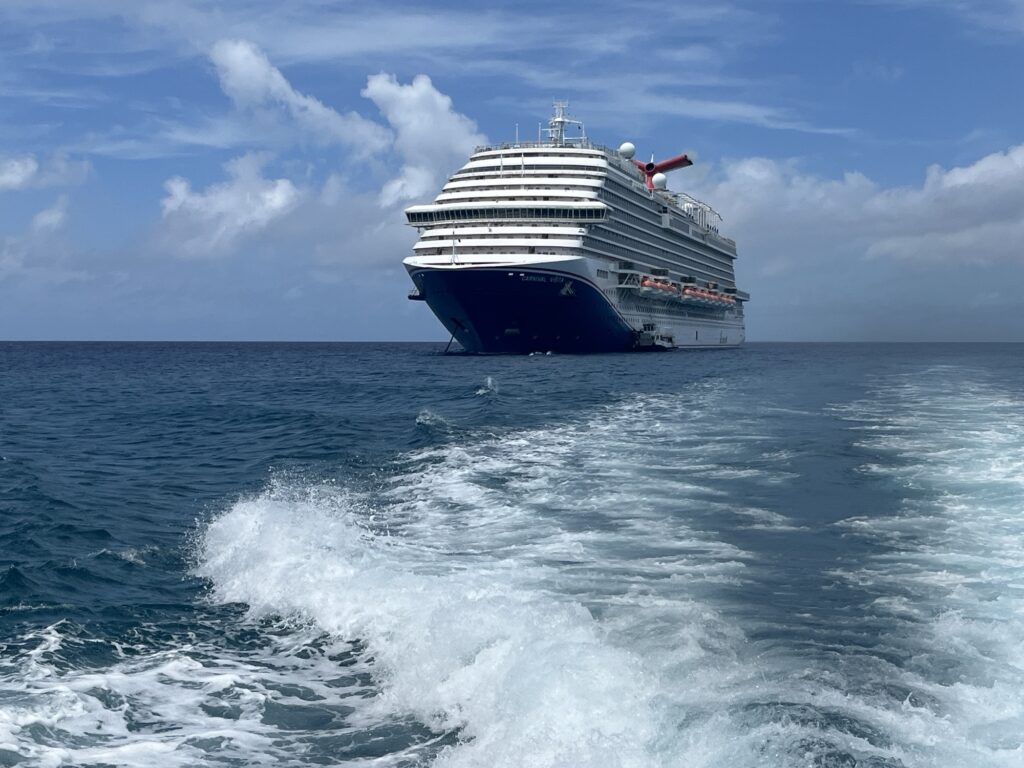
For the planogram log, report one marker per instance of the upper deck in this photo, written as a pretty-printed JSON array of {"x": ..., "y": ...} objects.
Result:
[{"x": 576, "y": 155}]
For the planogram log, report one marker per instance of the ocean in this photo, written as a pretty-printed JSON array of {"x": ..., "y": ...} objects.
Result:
[{"x": 374, "y": 554}]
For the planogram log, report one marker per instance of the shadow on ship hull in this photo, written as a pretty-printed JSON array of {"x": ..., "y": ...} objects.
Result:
[{"x": 519, "y": 311}]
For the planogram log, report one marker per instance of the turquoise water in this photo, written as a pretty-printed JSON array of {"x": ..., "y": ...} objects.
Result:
[{"x": 305, "y": 554}]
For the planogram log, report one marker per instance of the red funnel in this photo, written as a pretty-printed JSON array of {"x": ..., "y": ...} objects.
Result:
[{"x": 649, "y": 169}]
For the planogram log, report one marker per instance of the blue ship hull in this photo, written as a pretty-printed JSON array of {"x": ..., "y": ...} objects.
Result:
[{"x": 518, "y": 311}]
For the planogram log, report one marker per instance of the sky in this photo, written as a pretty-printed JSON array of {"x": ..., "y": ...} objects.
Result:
[{"x": 200, "y": 170}]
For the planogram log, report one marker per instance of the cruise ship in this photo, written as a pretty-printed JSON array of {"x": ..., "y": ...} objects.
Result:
[{"x": 563, "y": 245}]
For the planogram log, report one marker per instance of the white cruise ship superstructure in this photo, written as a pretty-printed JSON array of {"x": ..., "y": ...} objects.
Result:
[{"x": 563, "y": 245}]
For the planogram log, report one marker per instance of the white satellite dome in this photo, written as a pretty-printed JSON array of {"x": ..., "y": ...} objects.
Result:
[
  {"x": 660, "y": 181},
  {"x": 627, "y": 150}
]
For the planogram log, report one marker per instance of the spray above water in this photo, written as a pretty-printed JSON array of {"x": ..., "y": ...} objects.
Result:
[{"x": 490, "y": 387}]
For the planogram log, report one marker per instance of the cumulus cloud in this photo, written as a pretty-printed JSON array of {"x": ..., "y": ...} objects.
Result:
[
  {"x": 973, "y": 213},
  {"x": 431, "y": 137},
  {"x": 249, "y": 79},
  {"x": 214, "y": 220},
  {"x": 428, "y": 137}
]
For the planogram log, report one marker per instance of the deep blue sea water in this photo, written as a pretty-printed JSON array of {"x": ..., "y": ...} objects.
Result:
[{"x": 359, "y": 554}]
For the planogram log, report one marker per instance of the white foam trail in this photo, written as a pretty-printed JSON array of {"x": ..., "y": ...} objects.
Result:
[
  {"x": 953, "y": 555},
  {"x": 528, "y": 598},
  {"x": 500, "y": 605},
  {"x": 178, "y": 707},
  {"x": 464, "y": 650}
]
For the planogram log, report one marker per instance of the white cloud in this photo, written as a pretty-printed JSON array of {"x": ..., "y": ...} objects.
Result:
[
  {"x": 430, "y": 136},
  {"x": 25, "y": 171},
  {"x": 341, "y": 225},
  {"x": 60, "y": 170},
  {"x": 970, "y": 214},
  {"x": 214, "y": 220},
  {"x": 17, "y": 172},
  {"x": 51, "y": 219},
  {"x": 252, "y": 82},
  {"x": 41, "y": 254}
]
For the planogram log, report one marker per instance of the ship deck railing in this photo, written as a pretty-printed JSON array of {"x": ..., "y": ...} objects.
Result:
[{"x": 583, "y": 143}]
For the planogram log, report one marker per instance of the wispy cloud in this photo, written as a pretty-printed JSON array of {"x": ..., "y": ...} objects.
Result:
[
  {"x": 249, "y": 79},
  {"x": 998, "y": 20},
  {"x": 41, "y": 254},
  {"x": 51, "y": 219},
  {"x": 22, "y": 172},
  {"x": 211, "y": 222}
]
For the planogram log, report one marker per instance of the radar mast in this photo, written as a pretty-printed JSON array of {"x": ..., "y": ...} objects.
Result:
[{"x": 557, "y": 125}]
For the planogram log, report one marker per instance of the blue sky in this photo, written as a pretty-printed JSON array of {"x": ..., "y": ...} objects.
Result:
[{"x": 200, "y": 170}]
